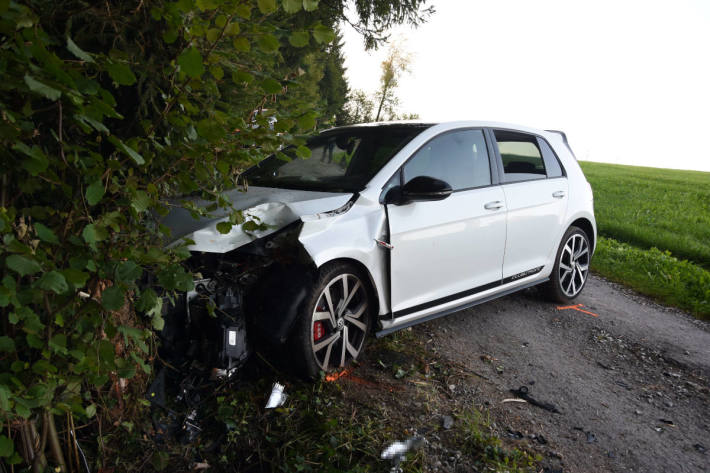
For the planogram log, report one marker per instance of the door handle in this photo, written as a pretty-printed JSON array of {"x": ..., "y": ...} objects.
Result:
[
  {"x": 558, "y": 194},
  {"x": 495, "y": 205}
]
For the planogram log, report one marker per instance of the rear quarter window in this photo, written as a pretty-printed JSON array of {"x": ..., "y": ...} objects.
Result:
[{"x": 552, "y": 163}]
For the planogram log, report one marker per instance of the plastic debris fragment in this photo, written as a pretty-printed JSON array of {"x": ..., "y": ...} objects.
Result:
[
  {"x": 277, "y": 398},
  {"x": 397, "y": 451}
]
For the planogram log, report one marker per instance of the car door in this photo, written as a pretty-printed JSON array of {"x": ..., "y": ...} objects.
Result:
[
  {"x": 446, "y": 249},
  {"x": 536, "y": 197}
]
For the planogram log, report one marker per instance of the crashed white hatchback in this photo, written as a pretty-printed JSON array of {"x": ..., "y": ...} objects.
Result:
[{"x": 384, "y": 226}]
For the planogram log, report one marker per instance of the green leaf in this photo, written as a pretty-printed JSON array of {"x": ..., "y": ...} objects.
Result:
[
  {"x": 75, "y": 277},
  {"x": 22, "y": 265},
  {"x": 266, "y": 6},
  {"x": 310, "y": 5},
  {"x": 91, "y": 410},
  {"x": 232, "y": 29},
  {"x": 243, "y": 11},
  {"x": 5, "y": 397},
  {"x": 7, "y": 344},
  {"x": 271, "y": 86},
  {"x": 190, "y": 62},
  {"x": 53, "y": 281},
  {"x": 213, "y": 34},
  {"x": 242, "y": 77},
  {"x": 121, "y": 73},
  {"x": 303, "y": 151},
  {"x": 58, "y": 343},
  {"x": 291, "y": 6},
  {"x": 157, "y": 321},
  {"x": 299, "y": 39},
  {"x": 38, "y": 161},
  {"x": 133, "y": 154},
  {"x": 93, "y": 233},
  {"x": 323, "y": 34},
  {"x": 170, "y": 36},
  {"x": 42, "y": 89},
  {"x": 160, "y": 460},
  {"x": 7, "y": 448},
  {"x": 78, "y": 52},
  {"x": 209, "y": 130},
  {"x": 112, "y": 298},
  {"x": 216, "y": 71},
  {"x": 94, "y": 192},
  {"x": 205, "y": 5},
  {"x": 45, "y": 234},
  {"x": 128, "y": 271},
  {"x": 241, "y": 44},
  {"x": 307, "y": 121},
  {"x": 268, "y": 43},
  {"x": 141, "y": 201},
  {"x": 224, "y": 227}
]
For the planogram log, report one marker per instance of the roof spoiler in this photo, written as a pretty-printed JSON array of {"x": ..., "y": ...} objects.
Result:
[{"x": 564, "y": 140}]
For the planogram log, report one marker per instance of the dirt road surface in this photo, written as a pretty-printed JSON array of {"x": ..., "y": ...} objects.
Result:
[{"x": 630, "y": 385}]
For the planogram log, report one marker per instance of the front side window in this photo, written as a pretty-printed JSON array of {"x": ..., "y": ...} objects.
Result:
[
  {"x": 521, "y": 156},
  {"x": 341, "y": 160},
  {"x": 459, "y": 158}
]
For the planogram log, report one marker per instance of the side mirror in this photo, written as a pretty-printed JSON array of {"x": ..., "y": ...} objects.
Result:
[{"x": 421, "y": 188}]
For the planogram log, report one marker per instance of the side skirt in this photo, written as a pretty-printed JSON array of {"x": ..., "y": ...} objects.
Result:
[{"x": 395, "y": 326}]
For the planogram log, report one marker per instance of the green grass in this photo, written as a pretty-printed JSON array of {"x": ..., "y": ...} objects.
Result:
[
  {"x": 650, "y": 207},
  {"x": 655, "y": 273},
  {"x": 654, "y": 227}
]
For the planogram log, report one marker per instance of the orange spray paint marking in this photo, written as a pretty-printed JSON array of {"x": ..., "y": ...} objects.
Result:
[
  {"x": 335, "y": 376},
  {"x": 577, "y": 307}
]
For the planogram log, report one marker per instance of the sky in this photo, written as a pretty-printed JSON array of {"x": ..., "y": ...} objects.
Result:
[{"x": 628, "y": 81}]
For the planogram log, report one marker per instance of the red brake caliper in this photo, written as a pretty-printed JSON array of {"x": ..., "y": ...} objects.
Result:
[{"x": 318, "y": 330}]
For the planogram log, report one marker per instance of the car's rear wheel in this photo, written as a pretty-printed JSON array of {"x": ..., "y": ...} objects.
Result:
[
  {"x": 571, "y": 266},
  {"x": 334, "y": 321}
]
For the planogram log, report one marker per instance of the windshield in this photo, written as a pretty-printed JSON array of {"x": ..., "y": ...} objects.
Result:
[{"x": 341, "y": 160}]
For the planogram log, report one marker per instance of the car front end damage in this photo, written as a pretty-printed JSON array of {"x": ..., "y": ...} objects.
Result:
[
  {"x": 250, "y": 286},
  {"x": 247, "y": 294}
]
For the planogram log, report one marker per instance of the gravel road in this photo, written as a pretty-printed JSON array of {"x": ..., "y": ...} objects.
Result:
[{"x": 631, "y": 385}]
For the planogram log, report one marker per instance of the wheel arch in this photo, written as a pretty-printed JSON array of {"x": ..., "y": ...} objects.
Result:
[
  {"x": 586, "y": 225},
  {"x": 371, "y": 286}
]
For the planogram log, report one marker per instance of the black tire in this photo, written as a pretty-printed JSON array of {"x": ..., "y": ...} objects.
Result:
[
  {"x": 309, "y": 342},
  {"x": 571, "y": 270}
]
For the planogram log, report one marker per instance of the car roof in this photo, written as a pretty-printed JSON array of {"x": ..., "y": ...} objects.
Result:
[{"x": 443, "y": 125}]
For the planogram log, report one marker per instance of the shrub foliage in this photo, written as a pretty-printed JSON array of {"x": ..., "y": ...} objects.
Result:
[{"x": 109, "y": 113}]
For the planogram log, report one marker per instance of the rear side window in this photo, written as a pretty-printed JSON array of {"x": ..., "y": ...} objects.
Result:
[
  {"x": 459, "y": 158},
  {"x": 551, "y": 163},
  {"x": 521, "y": 156}
]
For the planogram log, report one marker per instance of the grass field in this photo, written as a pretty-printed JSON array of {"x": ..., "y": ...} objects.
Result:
[{"x": 653, "y": 220}]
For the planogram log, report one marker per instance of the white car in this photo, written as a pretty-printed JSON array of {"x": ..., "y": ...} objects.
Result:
[{"x": 385, "y": 226}]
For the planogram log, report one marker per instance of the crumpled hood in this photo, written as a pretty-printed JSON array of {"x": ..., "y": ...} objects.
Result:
[{"x": 274, "y": 207}]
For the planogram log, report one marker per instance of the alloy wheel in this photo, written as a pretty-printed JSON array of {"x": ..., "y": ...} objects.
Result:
[
  {"x": 574, "y": 265},
  {"x": 339, "y": 322}
]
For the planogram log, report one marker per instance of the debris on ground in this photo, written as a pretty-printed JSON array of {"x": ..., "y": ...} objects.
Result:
[
  {"x": 447, "y": 422},
  {"x": 278, "y": 397},
  {"x": 397, "y": 451},
  {"x": 514, "y": 399},
  {"x": 523, "y": 393}
]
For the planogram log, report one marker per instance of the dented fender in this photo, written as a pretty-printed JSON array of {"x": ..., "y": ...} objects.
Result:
[{"x": 352, "y": 235}]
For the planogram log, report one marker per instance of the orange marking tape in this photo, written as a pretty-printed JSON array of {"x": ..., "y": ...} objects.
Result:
[{"x": 577, "y": 307}]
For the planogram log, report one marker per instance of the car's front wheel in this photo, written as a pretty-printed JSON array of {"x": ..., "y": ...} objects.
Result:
[
  {"x": 571, "y": 266},
  {"x": 334, "y": 320}
]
